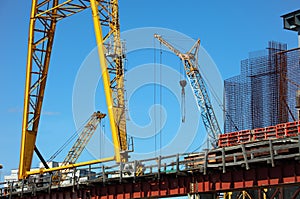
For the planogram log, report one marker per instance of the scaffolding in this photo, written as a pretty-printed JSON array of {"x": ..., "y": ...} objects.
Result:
[
  {"x": 264, "y": 93},
  {"x": 288, "y": 64}
]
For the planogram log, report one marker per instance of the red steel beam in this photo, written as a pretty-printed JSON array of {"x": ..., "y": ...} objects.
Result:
[{"x": 182, "y": 184}]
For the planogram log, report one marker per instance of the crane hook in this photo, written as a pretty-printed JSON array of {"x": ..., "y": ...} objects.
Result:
[{"x": 182, "y": 84}]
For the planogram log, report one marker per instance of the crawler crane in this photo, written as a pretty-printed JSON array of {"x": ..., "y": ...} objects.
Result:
[
  {"x": 83, "y": 138},
  {"x": 45, "y": 14},
  {"x": 190, "y": 63}
]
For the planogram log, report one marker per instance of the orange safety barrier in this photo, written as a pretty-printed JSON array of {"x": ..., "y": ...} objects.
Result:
[
  {"x": 245, "y": 136},
  {"x": 283, "y": 130},
  {"x": 259, "y": 134}
]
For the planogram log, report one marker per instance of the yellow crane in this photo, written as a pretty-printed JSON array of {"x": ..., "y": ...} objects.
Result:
[
  {"x": 45, "y": 14},
  {"x": 83, "y": 139},
  {"x": 190, "y": 63}
]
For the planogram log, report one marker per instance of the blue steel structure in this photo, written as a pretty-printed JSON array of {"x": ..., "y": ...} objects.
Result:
[{"x": 190, "y": 62}]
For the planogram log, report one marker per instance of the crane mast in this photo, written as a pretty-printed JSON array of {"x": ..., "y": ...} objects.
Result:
[
  {"x": 43, "y": 20},
  {"x": 83, "y": 139},
  {"x": 190, "y": 63},
  {"x": 117, "y": 82},
  {"x": 111, "y": 55}
]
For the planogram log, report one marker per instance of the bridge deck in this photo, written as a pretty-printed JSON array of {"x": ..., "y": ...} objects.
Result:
[{"x": 247, "y": 166}]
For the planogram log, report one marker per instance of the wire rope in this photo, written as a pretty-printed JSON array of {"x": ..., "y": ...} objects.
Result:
[
  {"x": 67, "y": 142},
  {"x": 160, "y": 99},
  {"x": 154, "y": 97}
]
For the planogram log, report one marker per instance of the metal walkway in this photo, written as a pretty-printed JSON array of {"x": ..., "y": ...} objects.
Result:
[{"x": 253, "y": 165}]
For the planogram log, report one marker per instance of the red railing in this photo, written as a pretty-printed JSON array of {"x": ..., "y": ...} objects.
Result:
[{"x": 271, "y": 132}]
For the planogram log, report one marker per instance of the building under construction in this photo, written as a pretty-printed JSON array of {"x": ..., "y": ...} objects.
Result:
[
  {"x": 258, "y": 163},
  {"x": 265, "y": 91}
]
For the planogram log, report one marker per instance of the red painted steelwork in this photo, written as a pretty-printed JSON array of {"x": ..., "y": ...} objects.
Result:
[
  {"x": 289, "y": 129},
  {"x": 288, "y": 173}
]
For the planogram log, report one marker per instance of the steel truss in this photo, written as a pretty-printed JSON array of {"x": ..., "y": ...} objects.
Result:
[{"x": 44, "y": 16}]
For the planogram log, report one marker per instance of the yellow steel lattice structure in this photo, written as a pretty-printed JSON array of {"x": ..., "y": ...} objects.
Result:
[
  {"x": 83, "y": 139},
  {"x": 43, "y": 19}
]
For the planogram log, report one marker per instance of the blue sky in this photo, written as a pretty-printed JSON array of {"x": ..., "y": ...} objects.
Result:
[{"x": 228, "y": 31}]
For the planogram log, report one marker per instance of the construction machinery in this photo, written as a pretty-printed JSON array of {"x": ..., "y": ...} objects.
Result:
[
  {"x": 84, "y": 137},
  {"x": 190, "y": 63},
  {"x": 45, "y": 14}
]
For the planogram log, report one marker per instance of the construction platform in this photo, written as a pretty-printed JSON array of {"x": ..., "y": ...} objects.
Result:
[{"x": 251, "y": 165}]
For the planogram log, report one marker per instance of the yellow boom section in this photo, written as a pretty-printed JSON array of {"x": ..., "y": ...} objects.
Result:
[
  {"x": 44, "y": 16},
  {"x": 38, "y": 59},
  {"x": 84, "y": 137}
]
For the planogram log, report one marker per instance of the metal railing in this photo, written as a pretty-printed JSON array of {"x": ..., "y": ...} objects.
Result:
[{"x": 217, "y": 160}]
